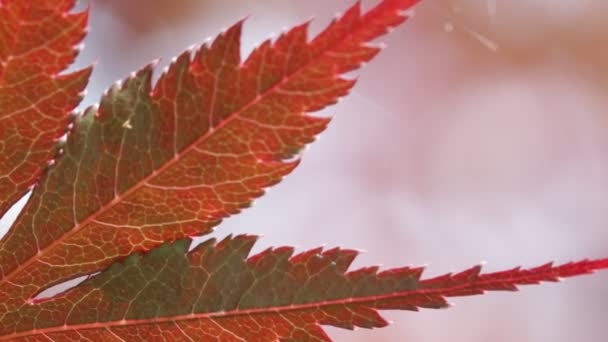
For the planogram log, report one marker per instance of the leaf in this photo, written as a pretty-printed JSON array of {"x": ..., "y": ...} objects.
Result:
[
  {"x": 37, "y": 42},
  {"x": 216, "y": 292},
  {"x": 155, "y": 164}
]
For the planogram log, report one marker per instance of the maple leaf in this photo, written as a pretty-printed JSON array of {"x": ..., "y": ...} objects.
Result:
[
  {"x": 153, "y": 165},
  {"x": 37, "y": 42},
  {"x": 216, "y": 292},
  {"x": 159, "y": 163}
]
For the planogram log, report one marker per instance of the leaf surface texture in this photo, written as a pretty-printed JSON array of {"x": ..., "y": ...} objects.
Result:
[
  {"x": 217, "y": 292},
  {"x": 159, "y": 162},
  {"x": 38, "y": 41}
]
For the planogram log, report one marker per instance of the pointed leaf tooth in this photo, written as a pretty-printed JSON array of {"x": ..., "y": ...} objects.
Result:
[
  {"x": 469, "y": 275},
  {"x": 368, "y": 318},
  {"x": 437, "y": 282},
  {"x": 403, "y": 277},
  {"x": 341, "y": 258},
  {"x": 304, "y": 257}
]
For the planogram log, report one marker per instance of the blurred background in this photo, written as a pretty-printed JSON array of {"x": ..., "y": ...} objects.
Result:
[{"x": 479, "y": 134}]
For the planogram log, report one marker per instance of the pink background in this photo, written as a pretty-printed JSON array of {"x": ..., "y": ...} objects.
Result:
[{"x": 480, "y": 133}]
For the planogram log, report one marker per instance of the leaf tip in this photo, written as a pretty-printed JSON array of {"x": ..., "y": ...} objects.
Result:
[
  {"x": 408, "y": 13},
  {"x": 153, "y": 63},
  {"x": 242, "y": 21},
  {"x": 360, "y": 250},
  {"x": 80, "y": 47}
]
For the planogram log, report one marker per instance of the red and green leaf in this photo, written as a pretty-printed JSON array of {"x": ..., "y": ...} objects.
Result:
[
  {"x": 159, "y": 163},
  {"x": 38, "y": 41},
  {"x": 217, "y": 293},
  {"x": 155, "y": 164}
]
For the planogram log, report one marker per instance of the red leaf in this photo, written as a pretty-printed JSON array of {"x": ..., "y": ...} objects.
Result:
[
  {"x": 156, "y": 164},
  {"x": 37, "y": 42},
  {"x": 217, "y": 292}
]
